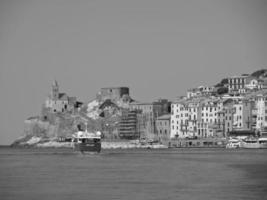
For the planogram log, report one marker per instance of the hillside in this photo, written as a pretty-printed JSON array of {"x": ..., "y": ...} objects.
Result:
[
  {"x": 260, "y": 73},
  {"x": 56, "y": 127}
]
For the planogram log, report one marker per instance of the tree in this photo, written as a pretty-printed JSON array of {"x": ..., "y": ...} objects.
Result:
[{"x": 222, "y": 90}]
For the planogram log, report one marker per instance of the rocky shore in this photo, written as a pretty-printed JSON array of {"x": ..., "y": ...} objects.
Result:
[{"x": 38, "y": 142}]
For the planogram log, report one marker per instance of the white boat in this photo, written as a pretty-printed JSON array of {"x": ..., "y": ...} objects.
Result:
[
  {"x": 254, "y": 143},
  {"x": 233, "y": 143},
  {"x": 85, "y": 141}
]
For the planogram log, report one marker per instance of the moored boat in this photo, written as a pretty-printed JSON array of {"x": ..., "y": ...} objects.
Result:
[
  {"x": 233, "y": 143},
  {"x": 84, "y": 141},
  {"x": 254, "y": 143}
]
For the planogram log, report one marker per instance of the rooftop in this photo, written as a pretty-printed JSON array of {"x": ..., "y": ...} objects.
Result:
[{"x": 164, "y": 117}]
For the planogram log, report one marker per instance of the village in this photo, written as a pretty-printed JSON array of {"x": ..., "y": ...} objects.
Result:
[{"x": 206, "y": 116}]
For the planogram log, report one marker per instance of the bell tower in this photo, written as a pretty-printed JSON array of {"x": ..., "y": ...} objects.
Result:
[{"x": 55, "y": 90}]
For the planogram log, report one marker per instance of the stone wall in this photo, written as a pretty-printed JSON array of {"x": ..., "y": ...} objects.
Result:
[{"x": 113, "y": 93}]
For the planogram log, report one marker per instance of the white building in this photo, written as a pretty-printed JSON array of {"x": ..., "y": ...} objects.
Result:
[
  {"x": 253, "y": 83},
  {"x": 199, "y": 91},
  {"x": 183, "y": 119},
  {"x": 261, "y": 107},
  {"x": 194, "y": 118},
  {"x": 236, "y": 82}
]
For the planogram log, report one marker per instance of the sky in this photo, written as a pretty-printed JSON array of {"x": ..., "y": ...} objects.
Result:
[{"x": 158, "y": 49}]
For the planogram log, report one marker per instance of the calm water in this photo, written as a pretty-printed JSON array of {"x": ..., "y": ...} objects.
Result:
[{"x": 133, "y": 174}]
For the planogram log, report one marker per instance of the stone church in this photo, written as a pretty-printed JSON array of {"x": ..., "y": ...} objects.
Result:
[{"x": 59, "y": 102}]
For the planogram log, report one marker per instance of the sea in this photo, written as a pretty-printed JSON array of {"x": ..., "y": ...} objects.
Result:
[{"x": 158, "y": 174}]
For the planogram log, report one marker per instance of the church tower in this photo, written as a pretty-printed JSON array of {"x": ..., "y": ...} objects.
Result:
[{"x": 55, "y": 90}]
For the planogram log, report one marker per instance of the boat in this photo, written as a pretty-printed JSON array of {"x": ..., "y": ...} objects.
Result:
[
  {"x": 233, "y": 143},
  {"x": 84, "y": 141},
  {"x": 254, "y": 143}
]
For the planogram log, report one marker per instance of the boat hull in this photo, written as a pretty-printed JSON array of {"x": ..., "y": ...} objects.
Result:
[
  {"x": 253, "y": 145},
  {"x": 85, "y": 147}
]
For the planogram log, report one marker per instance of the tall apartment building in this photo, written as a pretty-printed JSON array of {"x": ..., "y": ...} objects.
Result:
[
  {"x": 261, "y": 114},
  {"x": 225, "y": 118},
  {"x": 242, "y": 115},
  {"x": 191, "y": 119}
]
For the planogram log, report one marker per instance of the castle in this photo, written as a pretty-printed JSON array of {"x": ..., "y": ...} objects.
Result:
[{"x": 113, "y": 93}]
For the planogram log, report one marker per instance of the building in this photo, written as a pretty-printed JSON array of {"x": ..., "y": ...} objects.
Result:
[
  {"x": 194, "y": 92},
  {"x": 163, "y": 128},
  {"x": 147, "y": 113},
  {"x": 200, "y": 91},
  {"x": 59, "y": 102},
  {"x": 253, "y": 83},
  {"x": 208, "y": 123},
  {"x": 113, "y": 93},
  {"x": 128, "y": 125},
  {"x": 236, "y": 82},
  {"x": 225, "y": 119},
  {"x": 261, "y": 113},
  {"x": 184, "y": 117},
  {"x": 242, "y": 115},
  {"x": 201, "y": 118}
]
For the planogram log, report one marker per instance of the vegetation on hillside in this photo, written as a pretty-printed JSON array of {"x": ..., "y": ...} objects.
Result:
[{"x": 259, "y": 73}]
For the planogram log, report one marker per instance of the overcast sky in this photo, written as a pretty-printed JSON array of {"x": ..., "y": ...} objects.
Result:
[{"x": 157, "y": 48}]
